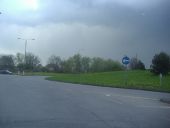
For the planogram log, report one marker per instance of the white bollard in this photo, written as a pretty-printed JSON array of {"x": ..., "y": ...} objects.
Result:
[{"x": 160, "y": 79}]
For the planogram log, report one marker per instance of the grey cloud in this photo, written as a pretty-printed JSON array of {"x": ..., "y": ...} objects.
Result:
[
  {"x": 92, "y": 12},
  {"x": 106, "y": 28}
]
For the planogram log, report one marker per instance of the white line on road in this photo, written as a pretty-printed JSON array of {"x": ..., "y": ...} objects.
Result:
[
  {"x": 108, "y": 95},
  {"x": 135, "y": 97},
  {"x": 125, "y": 96},
  {"x": 157, "y": 107},
  {"x": 113, "y": 100},
  {"x": 116, "y": 101}
]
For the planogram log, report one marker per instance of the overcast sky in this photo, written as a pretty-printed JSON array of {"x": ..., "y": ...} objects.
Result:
[{"x": 95, "y": 28}]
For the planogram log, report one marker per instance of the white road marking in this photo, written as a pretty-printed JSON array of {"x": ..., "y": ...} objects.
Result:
[
  {"x": 108, "y": 95},
  {"x": 116, "y": 101},
  {"x": 113, "y": 100},
  {"x": 135, "y": 97},
  {"x": 125, "y": 96},
  {"x": 158, "y": 107}
]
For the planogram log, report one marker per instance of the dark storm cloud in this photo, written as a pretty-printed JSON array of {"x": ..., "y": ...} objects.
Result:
[
  {"x": 151, "y": 20},
  {"x": 96, "y": 12},
  {"x": 109, "y": 12},
  {"x": 106, "y": 28},
  {"x": 115, "y": 13}
]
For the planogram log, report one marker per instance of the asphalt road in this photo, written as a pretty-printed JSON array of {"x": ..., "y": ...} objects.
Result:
[{"x": 32, "y": 102}]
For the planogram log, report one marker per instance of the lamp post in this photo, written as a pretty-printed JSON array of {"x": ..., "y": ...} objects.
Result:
[{"x": 26, "y": 40}]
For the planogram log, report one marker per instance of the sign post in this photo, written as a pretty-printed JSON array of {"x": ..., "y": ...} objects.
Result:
[{"x": 125, "y": 61}]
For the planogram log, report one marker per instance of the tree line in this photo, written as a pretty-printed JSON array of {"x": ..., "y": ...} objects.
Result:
[
  {"x": 19, "y": 62},
  {"x": 82, "y": 64},
  {"x": 79, "y": 64},
  {"x": 74, "y": 64}
]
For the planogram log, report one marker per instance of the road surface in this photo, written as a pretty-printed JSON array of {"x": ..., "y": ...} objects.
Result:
[{"x": 32, "y": 102}]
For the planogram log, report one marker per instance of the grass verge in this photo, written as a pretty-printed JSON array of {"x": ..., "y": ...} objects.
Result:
[{"x": 135, "y": 79}]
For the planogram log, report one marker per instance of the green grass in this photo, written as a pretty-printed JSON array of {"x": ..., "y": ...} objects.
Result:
[{"x": 135, "y": 79}]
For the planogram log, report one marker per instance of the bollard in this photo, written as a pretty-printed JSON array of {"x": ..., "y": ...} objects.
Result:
[{"x": 160, "y": 79}]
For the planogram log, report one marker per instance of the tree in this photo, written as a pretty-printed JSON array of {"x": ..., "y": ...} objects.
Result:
[
  {"x": 160, "y": 64},
  {"x": 67, "y": 66},
  {"x": 7, "y": 62},
  {"x": 85, "y": 64},
  {"x": 72, "y": 64},
  {"x": 111, "y": 65},
  {"x": 102, "y": 65},
  {"x": 19, "y": 61},
  {"x": 136, "y": 64},
  {"x": 97, "y": 65},
  {"x": 54, "y": 63},
  {"x": 77, "y": 63},
  {"x": 39, "y": 68},
  {"x": 80, "y": 64},
  {"x": 141, "y": 65},
  {"x": 32, "y": 61}
]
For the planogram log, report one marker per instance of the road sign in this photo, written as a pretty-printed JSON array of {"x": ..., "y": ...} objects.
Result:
[{"x": 126, "y": 60}]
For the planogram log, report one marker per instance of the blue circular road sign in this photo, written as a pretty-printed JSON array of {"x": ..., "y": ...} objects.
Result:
[{"x": 126, "y": 60}]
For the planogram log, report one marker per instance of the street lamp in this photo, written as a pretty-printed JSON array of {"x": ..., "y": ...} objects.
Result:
[{"x": 26, "y": 40}]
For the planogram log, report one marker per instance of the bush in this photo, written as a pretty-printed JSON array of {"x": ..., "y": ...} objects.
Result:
[
  {"x": 160, "y": 64},
  {"x": 136, "y": 64}
]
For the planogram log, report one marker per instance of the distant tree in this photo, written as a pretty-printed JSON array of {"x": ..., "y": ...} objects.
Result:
[
  {"x": 68, "y": 66},
  {"x": 169, "y": 65},
  {"x": 54, "y": 63},
  {"x": 136, "y": 64},
  {"x": 77, "y": 63},
  {"x": 20, "y": 58},
  {"x": 80, "y": 64},
  {"x": 85, "y": 64},
  {"x": 7, "y": 62},
  {"x": 97, "y": 65},
  {"x": 72, "y": 64},
  {"x": 101, "y": 65},
  {"x": 44, "y": 69},
  {"x": 19, "y": 61},
  {"x": 141, "y": 65},
  {"x": 111, "y": 65},
  {"x": 160, "y": 64},
  {"x": 39, "y": 68},
  {"x": 32, "y": 62}
]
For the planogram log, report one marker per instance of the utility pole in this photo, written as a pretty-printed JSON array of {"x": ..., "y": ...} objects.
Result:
[{"x": 26, "y": 41}]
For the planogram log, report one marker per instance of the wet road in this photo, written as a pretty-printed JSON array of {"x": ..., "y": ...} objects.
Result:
[{"x": 32, "y": 102}]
